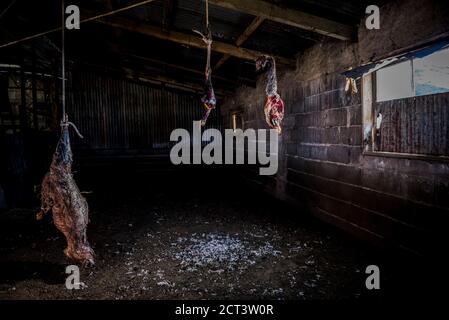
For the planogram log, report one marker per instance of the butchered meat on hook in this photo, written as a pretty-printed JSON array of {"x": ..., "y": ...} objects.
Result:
[{"x": 274, "y": 107}]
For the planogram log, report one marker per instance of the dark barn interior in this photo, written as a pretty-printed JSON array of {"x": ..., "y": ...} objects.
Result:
[{"x": 362, "y": 176}]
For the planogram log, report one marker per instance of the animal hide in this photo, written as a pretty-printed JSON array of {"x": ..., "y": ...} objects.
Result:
[
  {"x": 61, "y": 196},
  {"x": 208, "y": 98}
]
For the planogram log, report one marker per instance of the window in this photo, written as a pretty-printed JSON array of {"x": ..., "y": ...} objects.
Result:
[
  {"x": 414, "y": 77},
  {"x": 39, "y": 101},
  {"x": 431, "y": 73},
  {"x": 406, "y": 105},
  {"x": 395, "y": 82}
]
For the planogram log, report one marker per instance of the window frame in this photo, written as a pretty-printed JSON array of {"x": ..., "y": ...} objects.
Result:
[{"x": 369, "y": 99}]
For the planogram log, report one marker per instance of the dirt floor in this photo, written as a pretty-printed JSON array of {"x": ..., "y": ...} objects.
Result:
[{"x": 172, "y": 241}]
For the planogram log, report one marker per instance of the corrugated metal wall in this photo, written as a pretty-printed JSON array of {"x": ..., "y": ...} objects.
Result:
[
  {"x": 418, "y": 125},
  {"x": 121, "y": 116}
]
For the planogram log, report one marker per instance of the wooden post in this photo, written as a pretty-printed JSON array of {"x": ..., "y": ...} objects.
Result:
[
  {"x": 367, "y": 112},
  {"x": 34, "y": 91},
  {"x": 23, "y": 101},
  {"x": 57, "y": 113}
]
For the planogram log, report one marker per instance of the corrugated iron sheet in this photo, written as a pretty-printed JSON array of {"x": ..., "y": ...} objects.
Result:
[
  {"x": 122, "y": 116},
  {"x": 418, "y": 125}
]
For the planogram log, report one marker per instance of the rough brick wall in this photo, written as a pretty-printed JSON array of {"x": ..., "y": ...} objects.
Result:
[{"x": 392, "y": 202}]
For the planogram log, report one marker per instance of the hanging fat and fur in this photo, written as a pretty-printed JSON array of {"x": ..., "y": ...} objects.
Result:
[
  {"x": 61, "y": 196},
  {"x": 208, "y": 98},
  {"x": 274, "y": 107}
]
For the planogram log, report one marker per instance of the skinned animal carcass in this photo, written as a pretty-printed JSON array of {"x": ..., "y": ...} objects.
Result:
[
  {"x": 208, "y": 98},
  {"x": 61, "y": 196},
  {"x": 274, "y": 106}
]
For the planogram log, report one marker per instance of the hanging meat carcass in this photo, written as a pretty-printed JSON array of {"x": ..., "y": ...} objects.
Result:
[
  {"x": 274, "y": 107},
  {"x": 61, "y": 196},
  {"x": 208, "y": 99}
]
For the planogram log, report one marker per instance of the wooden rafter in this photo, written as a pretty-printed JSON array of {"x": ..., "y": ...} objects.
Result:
[
  {"x": 143, "y": 76},
  {"x": 182, "y": 68},
  {"x": 242, "y": 38},
  {"x": 157, "y": 79},
  {"x": 292, "y": 17},
  {"x": 186, "y": 39},
  {"x": 168, "y": 14},
  {"x": 3, "y": 12}
]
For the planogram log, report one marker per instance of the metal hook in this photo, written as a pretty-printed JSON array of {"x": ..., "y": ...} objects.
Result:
[{"x": 66, "y": 123}]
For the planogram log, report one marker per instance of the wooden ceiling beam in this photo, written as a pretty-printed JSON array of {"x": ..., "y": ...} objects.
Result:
[
  {"x": 182, "y": 68},
  {"x": 242, "y": 38},
  {"x": 11, "y": 3},
  {"x": 168, "y": 14},
  {"x": 188, "y": 40},
  {"x": 143, "y": 76},
  {"x": 161, "y": 80},
  {"x": 291, "y": 17}
]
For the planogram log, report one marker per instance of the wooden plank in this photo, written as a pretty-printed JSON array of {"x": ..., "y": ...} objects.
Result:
[
  {"x": 168, "y": 14},
  {"x": 189, "y": 40},
  {"x": 23, "y": 101},
  {"x": 34, "y": 89},
  {"x": 5, "y": 10},
  {"x": 145, "y": 77},
  {"x": 182, "y": 68},
  {"x": 136, "y": 57},
  {"x": 367, "y": 109},
  {"x": 140, "y": 76},
  {"x": 242, "y": 38},
  {"x": 292, "y": 17}
]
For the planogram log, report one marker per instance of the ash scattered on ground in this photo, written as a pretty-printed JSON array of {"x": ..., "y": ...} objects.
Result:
[{"x": 220, "y": 252}]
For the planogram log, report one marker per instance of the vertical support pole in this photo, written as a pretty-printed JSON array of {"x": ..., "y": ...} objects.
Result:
[
  {"x": 22, "y": 174},
  {"x": 34, "y": 91},
  {"x": 56, "y": 105},
  {"x": 23, "y": 107},
  {"x": 63, "y": 58}
]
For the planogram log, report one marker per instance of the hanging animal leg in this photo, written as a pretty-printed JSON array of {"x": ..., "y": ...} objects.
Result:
[
  {"x": 206, "y": 115},
  {"x": 208, "y": 99},
  {"x": 73, "y": 228},
  {"x": 274, "y": 112},
  {"x": 274, "y": 106},
  {"x": 267, "y": 109},
  {"x": 46, "y": 198}
]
